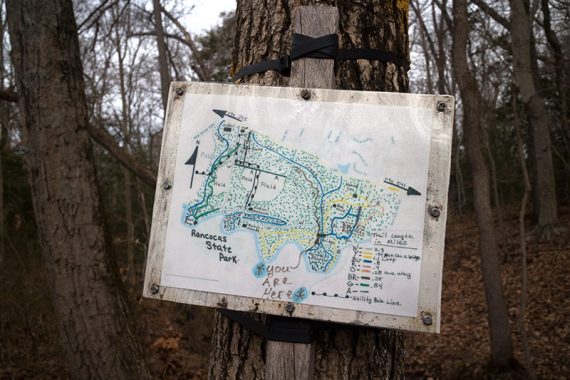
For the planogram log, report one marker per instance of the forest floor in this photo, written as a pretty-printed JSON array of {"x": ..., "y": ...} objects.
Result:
[{"x": 177, "y": 336}]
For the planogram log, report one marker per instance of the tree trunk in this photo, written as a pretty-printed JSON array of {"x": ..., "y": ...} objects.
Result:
[
  {"x": 546, "y": 213},
  {"x": 499, "y": 328},
  {"x": 126, "y": 132},
  {"x": 97, "y": 335},
  {"x": 162, "y": 57},
  {"x": 264, "y": 32},
  {"x": 3, "y": 126},
  {"x": 559, "y": 67},
  {"x": 522, "y": 242}
]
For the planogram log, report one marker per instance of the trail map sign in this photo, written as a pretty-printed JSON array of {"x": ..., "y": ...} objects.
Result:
[{"x": 335, "y": 205}]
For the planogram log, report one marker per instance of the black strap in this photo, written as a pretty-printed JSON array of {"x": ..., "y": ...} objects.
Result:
[
  {"x": 325, "y": 47},
  {"x": 282, "y": 65},
  {"x": 280, "y": 329}
]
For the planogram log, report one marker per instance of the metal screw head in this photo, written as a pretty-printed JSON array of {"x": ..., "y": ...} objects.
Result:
[
  {"x": 290, "y": 308},
  {"x": 305, "y": 94},
  {"x": 427, "y": 319},
  {"x": 434, "y": 212},
  {"x": 166, "y": 185},
  {"x": 441, "y": 106},
  {"x": 154, "y": 289},
  {"x": 179, "y": 91}
]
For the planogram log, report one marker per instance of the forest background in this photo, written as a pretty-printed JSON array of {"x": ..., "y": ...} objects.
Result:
[{"x": 512, "y": 83}]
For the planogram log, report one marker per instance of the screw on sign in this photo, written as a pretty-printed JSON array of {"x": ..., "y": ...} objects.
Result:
[
  {"x": 290, "y": 308},
  {"x": 434, "y": 212}
]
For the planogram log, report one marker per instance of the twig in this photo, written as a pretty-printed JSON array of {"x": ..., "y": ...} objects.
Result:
[{"x": 202, "y": 75}]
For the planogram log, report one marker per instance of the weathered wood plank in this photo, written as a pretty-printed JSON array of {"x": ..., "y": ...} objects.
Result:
[
  {"x": 296, "y": 360},
  {"x": 314, "y": 21},
  {"x": 289, "y": 361}
]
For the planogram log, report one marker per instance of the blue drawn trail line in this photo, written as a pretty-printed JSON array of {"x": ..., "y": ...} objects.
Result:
[
  {"x": 345, "y": 237},
  {"x": 323, "y": 194},
  {"x": 208, "y": 186}
]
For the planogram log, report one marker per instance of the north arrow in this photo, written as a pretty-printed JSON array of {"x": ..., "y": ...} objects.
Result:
[
  {"x": 410, "y": 190},
  {"x": 192, "y": 161}
]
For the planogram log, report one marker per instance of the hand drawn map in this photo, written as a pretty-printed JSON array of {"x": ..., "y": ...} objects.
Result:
[{"x": 312, "y": 202}]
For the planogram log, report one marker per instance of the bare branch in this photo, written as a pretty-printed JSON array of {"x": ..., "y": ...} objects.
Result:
[
  {"x": 103, "y": 138},
  {"x": 423, "y": 27},
  {"x": 167, "y": 35},
  {"x": 445, "y": 14},
  {"x": 102, "y": 8},
  {"x": 493, "y": 13},
  {"x": 201, "y": 72}
]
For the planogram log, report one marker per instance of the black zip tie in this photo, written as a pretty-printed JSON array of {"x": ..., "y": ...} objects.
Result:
[{"x": 325, "y": 47}]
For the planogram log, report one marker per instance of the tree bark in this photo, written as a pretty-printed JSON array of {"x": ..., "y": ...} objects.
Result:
[
  {"x": 559, "y": 71},
  {"x": 162, "y": 56},
  {"x": 3, "y": 126},
  {"x": 96, "y": 332},
  {"x": 522, "y": 242},
  {"x": 126, "y": 132},
  {"x": 499, "y": 327},
  {"x": 264, "y": 32},
  {"x": 524, "y": 70}
]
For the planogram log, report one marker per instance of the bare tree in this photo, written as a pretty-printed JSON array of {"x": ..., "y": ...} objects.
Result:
[
  {"x": 97, "y": 333},
  {"x": 3, "y": 127},
  {"x": 525, "y": 74},
  {"x": 499, "y": 328},
  {"x": 162, "y": 56},
  {"x": 522, "y": 241}
]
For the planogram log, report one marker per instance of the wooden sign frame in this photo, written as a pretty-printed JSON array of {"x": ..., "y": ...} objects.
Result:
[{"x": 429, "y": 305}]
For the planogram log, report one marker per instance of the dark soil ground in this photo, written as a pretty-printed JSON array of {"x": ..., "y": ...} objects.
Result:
[{"x": 177, "y": 337}]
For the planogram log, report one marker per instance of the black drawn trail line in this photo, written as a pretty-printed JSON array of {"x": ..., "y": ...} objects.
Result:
[
  {"x": 253, "y": 190},
  {"x": 246, "y": 147},
  {"x": 325, "y": 294},
  {"x": 257, "y": 168}
]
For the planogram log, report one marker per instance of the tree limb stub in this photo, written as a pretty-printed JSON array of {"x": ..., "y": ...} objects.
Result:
[
  {"x": 202, "y": 75},
  {"x": 103, "y": 138}
]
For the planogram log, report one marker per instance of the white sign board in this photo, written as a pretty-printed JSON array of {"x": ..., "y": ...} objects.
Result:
[{"x": 335, "y": 204}]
